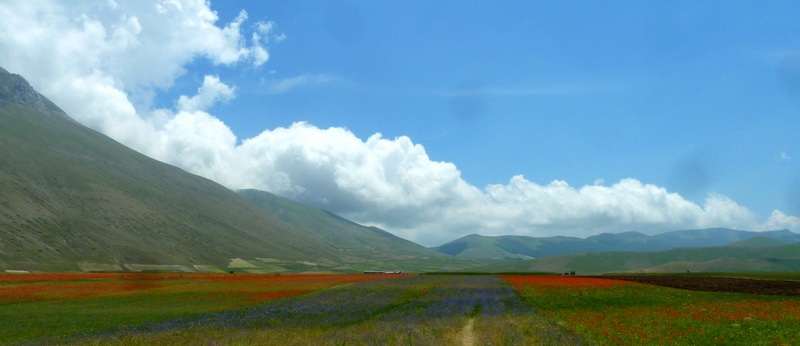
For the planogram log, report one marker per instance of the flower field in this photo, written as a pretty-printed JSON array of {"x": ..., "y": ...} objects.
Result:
[
  {"x": 169, "y": 309},
  {"x": 616, "y": 312},
  {"x": 277, "y": 310},
  {"x": 69, "y": 305},
  {"x": 421, "y": 310}
]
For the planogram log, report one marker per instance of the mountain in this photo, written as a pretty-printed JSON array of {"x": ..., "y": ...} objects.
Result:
[
  {"x": 73, "y": 199},
  {"x": 377, "y": 249},
  {"x": 70, "y": 196},
  {"x": 752, "y": 255},
  {"x": 343, "y": 234},
  {"x": 522, "y": 247},
  {"x": 719, "y": 236}
]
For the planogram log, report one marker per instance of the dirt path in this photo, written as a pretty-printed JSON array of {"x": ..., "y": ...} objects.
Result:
[{"x": 467, "y": 334}]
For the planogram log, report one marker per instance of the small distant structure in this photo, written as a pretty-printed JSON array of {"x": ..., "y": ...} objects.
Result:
[{"x": 383, "y": 272}]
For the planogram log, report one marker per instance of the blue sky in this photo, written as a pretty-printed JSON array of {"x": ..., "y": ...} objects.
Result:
[
  {"x": 696, "y": 97},
  {"x": 512, "y": 117}
]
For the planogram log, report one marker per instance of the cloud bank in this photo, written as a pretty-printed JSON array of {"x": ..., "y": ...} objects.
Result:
[{"x": 103, "y": 62}]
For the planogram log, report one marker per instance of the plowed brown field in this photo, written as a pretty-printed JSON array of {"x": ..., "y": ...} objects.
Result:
[{"x": 715, "y": 284}]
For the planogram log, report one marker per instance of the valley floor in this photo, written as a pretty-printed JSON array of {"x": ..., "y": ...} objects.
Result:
[
  {"x": 191, "y": 309},
  {"x": 412, "y": 310}
]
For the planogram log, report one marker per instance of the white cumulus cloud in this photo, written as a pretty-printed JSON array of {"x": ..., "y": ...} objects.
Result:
[
  {"x": 779, "y": 220},
  {"x": 210, "y": 93},
  {"x": 104, "y": 61}
]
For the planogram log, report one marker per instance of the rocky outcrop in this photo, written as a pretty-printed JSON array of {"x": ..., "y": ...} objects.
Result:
[{"x": 15, "y": 89}]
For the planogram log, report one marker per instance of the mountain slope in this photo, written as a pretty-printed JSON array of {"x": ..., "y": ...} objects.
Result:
[
  {"x": 758, "y": 242},
  {"x": 522, "y": 247},
  {"x": 69, "y": 194},
  {"x": 343, "y": 234}
]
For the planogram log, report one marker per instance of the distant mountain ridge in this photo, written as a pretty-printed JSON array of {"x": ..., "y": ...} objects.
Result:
[
  {"x": 523, "y": 247},
  {"x": 756, "y": 254}
]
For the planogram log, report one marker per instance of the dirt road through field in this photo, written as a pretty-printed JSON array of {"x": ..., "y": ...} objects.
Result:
[{"x": 467, "y": 334}]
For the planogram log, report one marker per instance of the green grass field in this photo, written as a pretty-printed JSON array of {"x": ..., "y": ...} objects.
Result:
[{"x": 168, "y": 309}]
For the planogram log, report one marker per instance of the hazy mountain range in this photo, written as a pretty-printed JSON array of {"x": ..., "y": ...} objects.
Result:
[
  {"x": 714, "y": 249},
  {"x": 522, "y": 247},
  {"x": 72, "y": 199},
  {"x": 756, "y": 254}
]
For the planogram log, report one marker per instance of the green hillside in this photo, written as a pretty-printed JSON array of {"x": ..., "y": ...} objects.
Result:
[
  {"x": 71, "y": 195},
  {"x": 370, "y": 248},
  {"x": 522, "y": 247},
  {"x": 758, "y": 242},
  {"x": 344, "y": 235},
  {"x": 752, "y": 256}
]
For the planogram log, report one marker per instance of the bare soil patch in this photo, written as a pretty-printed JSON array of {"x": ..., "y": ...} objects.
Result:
[{"x": 713, "y": 284}]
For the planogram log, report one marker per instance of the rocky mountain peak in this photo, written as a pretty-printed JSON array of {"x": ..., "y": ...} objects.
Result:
[{"x": 15, "y": 89}]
